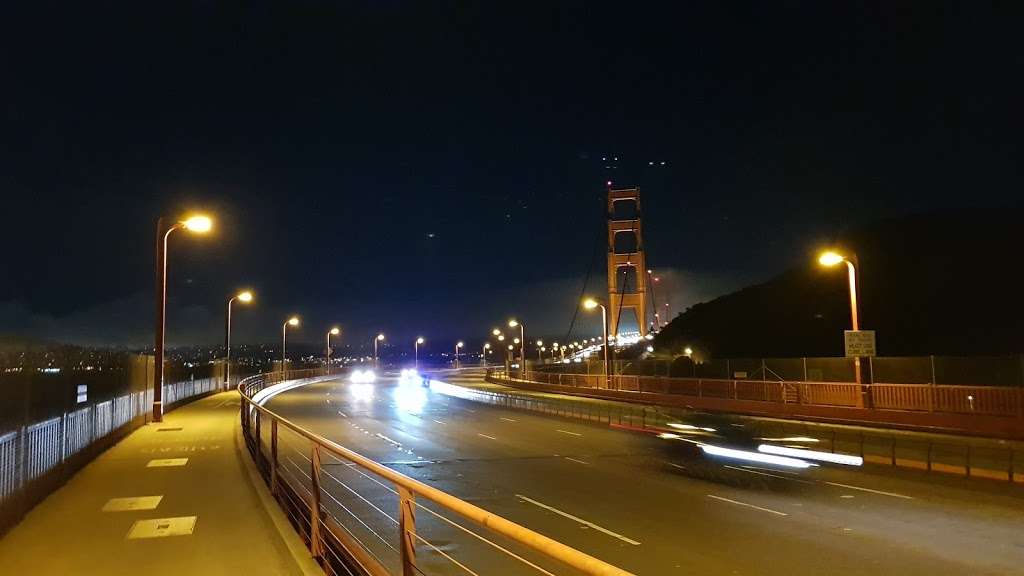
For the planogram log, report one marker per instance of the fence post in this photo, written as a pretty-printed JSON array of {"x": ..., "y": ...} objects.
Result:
[
  {"x": 259, "y": 440},
  {"x": 315, "y": 543},
  {"x": 407, "y": 530},
  {"x": 273, "y": 456},
  {"x": 64, "y": 437}
]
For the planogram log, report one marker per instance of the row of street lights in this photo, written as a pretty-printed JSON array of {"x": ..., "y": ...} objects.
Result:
[{"x": 201, "y": 224}]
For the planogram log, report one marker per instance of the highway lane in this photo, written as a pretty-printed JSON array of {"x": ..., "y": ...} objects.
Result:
[{"x": 629, "y": 499}]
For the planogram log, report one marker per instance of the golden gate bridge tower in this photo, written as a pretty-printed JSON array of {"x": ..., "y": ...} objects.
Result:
[{"x": 627, "y": 266}]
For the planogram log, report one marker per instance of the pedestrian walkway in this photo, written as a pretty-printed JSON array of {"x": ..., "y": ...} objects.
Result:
[{"x": 179, "y": 497}]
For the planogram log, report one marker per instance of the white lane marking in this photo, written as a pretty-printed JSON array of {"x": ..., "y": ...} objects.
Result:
[
  {"x": 391, "y": 441},
  {"x": 567, "y": 432},
  {"x": 767, "y": 474},
  {"x": 575, "y": 460},
  {"x": 578, "y": 519},
  {"x": 486, "y": 436},
  {"x": 738, "y": 503},
  {"x": 883, "y": 493},
  {"x": 342, "y": 414},
  {"x": 680, "y": 466},
  {"x": 771, "y": 470},
  {"x": 508, "y": 419}
]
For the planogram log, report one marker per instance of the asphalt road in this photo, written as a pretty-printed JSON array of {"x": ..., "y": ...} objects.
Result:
[{"x": 634, "y": 500}]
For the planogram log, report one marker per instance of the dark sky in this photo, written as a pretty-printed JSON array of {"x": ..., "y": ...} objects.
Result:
[{"x": 434, "y": 168}]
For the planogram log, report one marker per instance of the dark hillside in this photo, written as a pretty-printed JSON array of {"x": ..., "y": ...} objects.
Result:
[{"x": 946, "y": 284}]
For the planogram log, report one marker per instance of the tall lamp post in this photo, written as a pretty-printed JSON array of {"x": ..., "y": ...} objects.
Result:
[
  {"x": 332, "y": 332},
  {"x": 416, "y": 352},
  {"x": 830, "y": 259},
  {"x": 293, "y": 321},
  {"x": 378, "y": 338},
  {"x": 540, "y": 348},
  {"x": 522, "y": 344},
  {"x": 198, "y": 224},
  {"x": 246, "y": 297},
  {"x": 590, "y": 304},
  {"x": 458, "y": 345},
  {"x": 483, "y": 353}
]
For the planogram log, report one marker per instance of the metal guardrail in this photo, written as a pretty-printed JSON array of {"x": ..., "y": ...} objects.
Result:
[
  {"x": 36, "y": 457},
  {"x": 349, "y": 529},
  {"x": 982, "y": 400}
]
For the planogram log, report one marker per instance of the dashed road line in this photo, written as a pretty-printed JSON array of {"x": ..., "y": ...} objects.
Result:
[
  {"x": 575, "y": 460},
  {"x": 882, "y": 492},
  {"x": 570, "y": 433},
  {"x": 738, "y": 503},
  {"x": 486, "y": 436},
  {"x": 578, "y": 519},
  {"x": 768, "y": 474}
]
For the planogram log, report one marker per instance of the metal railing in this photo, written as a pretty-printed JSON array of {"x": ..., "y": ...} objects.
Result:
[
  {"x": 34, "y": 459},
  {"x": 359, "y": 516},
  {"x": 982, "y": 400}
]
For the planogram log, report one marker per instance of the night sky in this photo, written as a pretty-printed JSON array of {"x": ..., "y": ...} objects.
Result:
[{"x": 434, "y": 169}]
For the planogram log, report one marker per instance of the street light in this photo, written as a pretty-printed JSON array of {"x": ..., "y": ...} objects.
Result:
[
  {"x": 293, "y": 321},
  {"x": 246, "y": 297},
  {"x": 333, "y": 331},
  {"x": 198, "y": 224},
  {"x": 416, "y": 352},
  {"x": 512, "y": 323},
  {"x": 495, "y": 332},
  {"x": 540, "y": 348},
  {"x": 829, "y": 259},
  {"x": 483, "y": 352},
  {"x": 590, "y": 304},
  {"x": 458, "y": 345},
  {"x": 379, "y": 338}
]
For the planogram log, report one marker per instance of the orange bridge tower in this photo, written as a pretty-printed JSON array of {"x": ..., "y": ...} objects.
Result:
[{"x": 627, "y": 266}]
